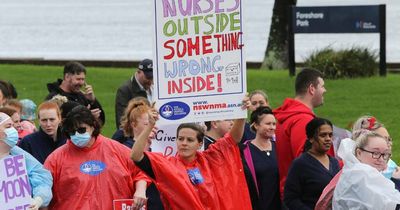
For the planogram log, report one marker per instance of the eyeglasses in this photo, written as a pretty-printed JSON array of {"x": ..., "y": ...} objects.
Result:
[
  {"x": 80, "y": 130},
  {"x": 377, "y": 155}
]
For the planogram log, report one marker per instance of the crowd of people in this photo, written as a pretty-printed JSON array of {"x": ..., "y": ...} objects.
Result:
[{"x": 282, "y": 158}]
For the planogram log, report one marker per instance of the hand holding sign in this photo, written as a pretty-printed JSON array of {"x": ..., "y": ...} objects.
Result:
[
  {"x": 153, "y": 114},
  {"x": 138, "y": 202},
  {"x": 145, "y": 136},
  {"x": 246, "y": 102}
]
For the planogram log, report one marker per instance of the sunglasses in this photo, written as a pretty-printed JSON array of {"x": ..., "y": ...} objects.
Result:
[{"x": 80, "y": 130}]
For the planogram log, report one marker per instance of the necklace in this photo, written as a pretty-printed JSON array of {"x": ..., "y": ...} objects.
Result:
[{"x": 267, "y": 151}]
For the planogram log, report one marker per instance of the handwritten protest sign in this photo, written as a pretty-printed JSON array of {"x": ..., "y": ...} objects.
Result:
[
  {"x": 165, "y": 140},
  {"x": 200, "y": 69},
  {"x": 15, "y": 190}
]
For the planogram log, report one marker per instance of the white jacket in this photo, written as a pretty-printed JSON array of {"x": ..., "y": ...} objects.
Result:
[{"x": 361, "y": 186}]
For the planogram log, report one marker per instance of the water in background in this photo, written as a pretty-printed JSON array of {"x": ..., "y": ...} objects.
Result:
[{"x": 122, "y": 29}]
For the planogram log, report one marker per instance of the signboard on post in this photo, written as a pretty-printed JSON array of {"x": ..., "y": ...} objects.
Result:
[
  {"x": 338, "y": 19},
  {"x": 200, "y": 71},
  {"x": 15, "y": 190}
]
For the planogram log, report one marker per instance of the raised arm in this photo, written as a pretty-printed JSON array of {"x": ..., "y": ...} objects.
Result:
[
  {"x": 141, "y": 141},
  {"x": 238, "y": 124}
]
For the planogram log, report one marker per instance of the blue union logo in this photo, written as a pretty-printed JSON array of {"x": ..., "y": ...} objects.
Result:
[
  {"x": 174, "y": 110},
  {"x": 92, "y": 167}
]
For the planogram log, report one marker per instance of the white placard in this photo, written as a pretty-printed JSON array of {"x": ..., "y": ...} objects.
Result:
[
  {"x": 15, "y": 190},
  {"x": 165, "y": 140},
  {"x": 200, "y": 70}
]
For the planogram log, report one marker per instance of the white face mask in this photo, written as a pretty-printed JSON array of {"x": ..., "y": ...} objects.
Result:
[{"x": 80, "y": 140}]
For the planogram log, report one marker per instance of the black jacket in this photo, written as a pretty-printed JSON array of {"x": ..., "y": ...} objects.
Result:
[
  {"x": 40, "y": 145},
  {"x": 54, "y": 89},
  {"x": 130, "y": 89}
]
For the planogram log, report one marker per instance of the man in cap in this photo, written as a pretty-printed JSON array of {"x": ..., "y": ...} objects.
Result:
[{"x": 140, "y": 84}]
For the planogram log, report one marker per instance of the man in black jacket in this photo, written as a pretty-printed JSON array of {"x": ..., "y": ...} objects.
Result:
[
  {"x": 74, "y": 87},
  {"x": 140, "y": 84}
]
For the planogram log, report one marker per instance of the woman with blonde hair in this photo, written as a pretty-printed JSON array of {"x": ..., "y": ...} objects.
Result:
[
  {"x": 129, "y": 122},
  {"x": 135, "y": 118},
  {"x": 361, "y": 185},
  {"x": 370, "y": 123}
]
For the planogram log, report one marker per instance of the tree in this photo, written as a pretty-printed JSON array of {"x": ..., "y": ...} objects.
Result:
[{"x": 276, "y": 55}]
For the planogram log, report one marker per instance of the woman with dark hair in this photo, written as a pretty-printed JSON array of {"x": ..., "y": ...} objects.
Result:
[
  {"x": 5, "y": 92},
  {"x": 90, "y": 170},
  {"x": 313, "y": 170},
  {"x": 260, "y": 156},
  {"x": 213, "y": 179}
]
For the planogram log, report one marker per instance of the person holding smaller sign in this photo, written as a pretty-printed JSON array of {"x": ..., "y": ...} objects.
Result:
[
  {"x": 213, "y": 179},
  {"x": 20, "y": 164},
  {"x": 135, "y": 118},
  {"x": 91, "y": 171}
]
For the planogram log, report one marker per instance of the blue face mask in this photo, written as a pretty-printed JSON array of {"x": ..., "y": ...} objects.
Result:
[
  {"x": 391, "y": 168},
  {"x": 80, "y": 140},
  {"x": 11, "y": 136}
]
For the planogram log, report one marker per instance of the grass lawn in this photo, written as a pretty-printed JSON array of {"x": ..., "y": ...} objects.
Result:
[{"x": 345, "y": 100}]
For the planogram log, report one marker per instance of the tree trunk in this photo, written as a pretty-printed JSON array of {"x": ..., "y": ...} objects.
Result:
[{"x": 276, "y": 55}]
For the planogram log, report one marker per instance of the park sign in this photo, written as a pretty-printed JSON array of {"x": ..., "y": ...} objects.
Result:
[
  {"x": 15, "y": 190},
  {"x": 200, "y": 71},
  {"x": 338, "y": 19}
]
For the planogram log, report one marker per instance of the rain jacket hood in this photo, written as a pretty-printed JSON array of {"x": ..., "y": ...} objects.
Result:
[
  {"x": 292, "y": 108},
  {"x": 55, "y": 86}
]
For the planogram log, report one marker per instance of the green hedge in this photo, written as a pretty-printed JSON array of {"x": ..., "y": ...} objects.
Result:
[{"x": 347, "y": 63}]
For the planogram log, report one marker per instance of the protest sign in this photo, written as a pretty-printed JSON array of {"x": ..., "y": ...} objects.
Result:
[
  {"x": 200, "y": 71},
  {"x": 165, "y": 140},
  {"x": 15, "y": 190},
  {"x": 124, "y": 204}
]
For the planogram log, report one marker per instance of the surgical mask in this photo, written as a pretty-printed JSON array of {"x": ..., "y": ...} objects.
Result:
[
  {"x": 391, "y": 168},
  {"x": 80, "y": 140},
  {"x": 11, "y": 136}
]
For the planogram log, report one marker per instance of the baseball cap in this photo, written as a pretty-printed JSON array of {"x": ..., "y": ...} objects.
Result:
[{"x": 146, "y": 66}]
